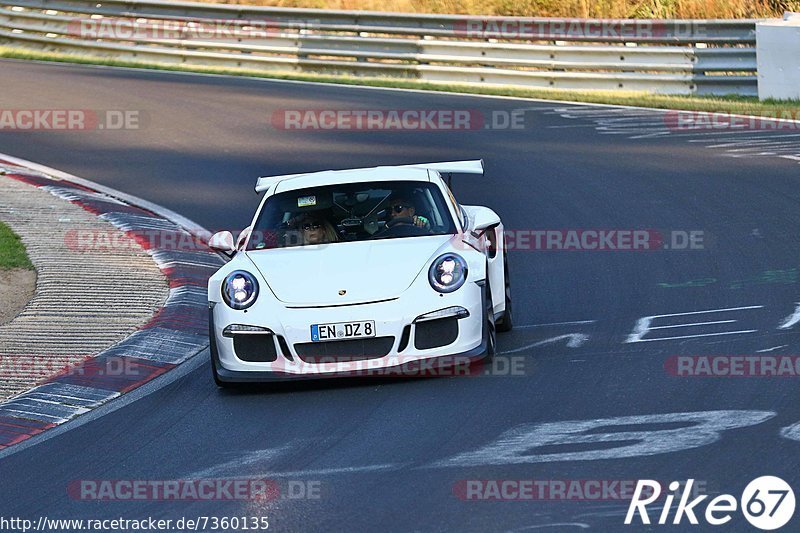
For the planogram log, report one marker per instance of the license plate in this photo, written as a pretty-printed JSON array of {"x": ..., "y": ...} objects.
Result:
[{"x": 342, "y": 330}]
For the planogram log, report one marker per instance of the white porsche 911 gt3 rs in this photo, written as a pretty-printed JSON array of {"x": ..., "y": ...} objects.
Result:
[{"x": 359, "y": 272}]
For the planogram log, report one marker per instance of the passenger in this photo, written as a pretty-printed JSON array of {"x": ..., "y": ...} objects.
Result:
[{"x": 317, "y": 230}]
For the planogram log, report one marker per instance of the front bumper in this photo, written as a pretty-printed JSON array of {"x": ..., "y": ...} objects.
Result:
[{"x": 393, "y": 319}]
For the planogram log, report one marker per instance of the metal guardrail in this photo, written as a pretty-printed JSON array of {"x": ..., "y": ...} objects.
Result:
[{"x": 677, "y": 56}]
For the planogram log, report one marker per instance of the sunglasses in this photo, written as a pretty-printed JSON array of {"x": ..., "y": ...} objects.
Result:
[
  {"x": 399, "y": 208},
  {"x": 308, "y": 226}
]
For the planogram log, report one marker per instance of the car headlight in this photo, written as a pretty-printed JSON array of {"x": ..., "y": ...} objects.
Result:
[
  {"x": 448, "y": 273},
  {"x": 240, "y": 289}
]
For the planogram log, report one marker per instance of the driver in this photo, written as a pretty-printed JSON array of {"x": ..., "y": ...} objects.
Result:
[{"x": 403, "y": 211}]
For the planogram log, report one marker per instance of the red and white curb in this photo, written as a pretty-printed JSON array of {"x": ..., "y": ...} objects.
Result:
[{"x": 178, "y": 331}]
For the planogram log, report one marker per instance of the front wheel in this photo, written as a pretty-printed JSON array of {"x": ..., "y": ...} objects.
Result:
[
  {"x": 214, "y": 373},
  {"x": 506, "y": 322},
  {"x": 212, "y": 347},
  {"x": 489, "y": 324}
]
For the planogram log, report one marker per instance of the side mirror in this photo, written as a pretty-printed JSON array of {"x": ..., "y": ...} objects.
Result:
[
  {"x": 222, "y": 242},
  {"x": 484, "y": 218}
]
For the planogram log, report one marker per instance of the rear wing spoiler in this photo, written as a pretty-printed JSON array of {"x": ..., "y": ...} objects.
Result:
[
  {"x": 454, "y": 167},
  {"x": 474, "y": 166},
  {"x": 264, "y": 182}
]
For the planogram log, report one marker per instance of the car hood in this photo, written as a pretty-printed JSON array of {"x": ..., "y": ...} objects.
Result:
[{"x": 367, "y": 270}]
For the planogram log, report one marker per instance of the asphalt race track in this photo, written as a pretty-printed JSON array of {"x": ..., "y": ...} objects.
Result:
[{"x": 395, "y": 455}]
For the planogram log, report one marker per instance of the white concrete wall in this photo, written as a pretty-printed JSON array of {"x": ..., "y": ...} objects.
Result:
[{"x": 778, "y": 52}]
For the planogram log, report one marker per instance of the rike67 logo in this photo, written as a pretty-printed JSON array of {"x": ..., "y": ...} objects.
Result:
[{"x": 767, "y": 503}]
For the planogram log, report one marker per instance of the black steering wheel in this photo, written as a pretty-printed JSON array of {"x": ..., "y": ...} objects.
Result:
[
  {"x": 403, "y": 227},
  {"x": 400, "y": 220}
]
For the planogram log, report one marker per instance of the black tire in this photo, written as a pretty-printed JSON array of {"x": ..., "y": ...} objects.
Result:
[
  {"x": 489, "y": 324},
  {"x": 214, "y": 373},
  {"x": 212, "y": 346},
  {"x": 506, "y": 322},
  {"x": 221, "y": 384}
]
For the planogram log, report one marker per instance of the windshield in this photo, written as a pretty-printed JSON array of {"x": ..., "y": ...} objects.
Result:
[{"x": 351, "y": 212}]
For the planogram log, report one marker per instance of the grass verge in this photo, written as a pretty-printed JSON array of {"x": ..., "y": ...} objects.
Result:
[
  {"x": 743, "y": 105},
  {"x": 556, "y": 8},
  {"x": 12, "y": 251}
]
